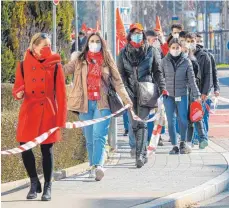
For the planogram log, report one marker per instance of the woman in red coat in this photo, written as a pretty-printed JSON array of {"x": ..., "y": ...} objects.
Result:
[{"x": 40, "y": 82}]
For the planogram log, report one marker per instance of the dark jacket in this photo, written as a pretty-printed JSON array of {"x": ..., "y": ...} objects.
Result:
[
  {"x": 204, "y": 62},
  {"x": 80, "y": 44},
  {"x": 147, "y": 69},
  {"x": 197, "y": 72},
  {"x": 178, "y": 76},
  {"x": 214, "y": 69}
]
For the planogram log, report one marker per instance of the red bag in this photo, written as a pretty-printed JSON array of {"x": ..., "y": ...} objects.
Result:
[{"x": 196, "y": 112}]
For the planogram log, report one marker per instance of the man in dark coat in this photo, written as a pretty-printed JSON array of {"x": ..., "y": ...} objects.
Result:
[{"x": 82, "y": 39}]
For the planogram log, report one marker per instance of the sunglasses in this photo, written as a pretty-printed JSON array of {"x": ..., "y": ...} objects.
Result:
[{"x": 43, "y": 35}]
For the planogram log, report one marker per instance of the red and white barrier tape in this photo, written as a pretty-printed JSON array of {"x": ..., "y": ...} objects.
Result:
[
  {"x": 158, "y": 124},
  {"x": 70, "y": 125}
]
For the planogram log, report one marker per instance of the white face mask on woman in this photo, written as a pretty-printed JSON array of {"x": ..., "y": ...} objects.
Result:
[
  {"x": 175, "y": 52},
  {"x": 94, "y": 47}
]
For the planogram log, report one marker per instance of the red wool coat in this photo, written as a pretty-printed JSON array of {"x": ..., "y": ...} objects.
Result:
[{"x": 42, "y": 109}]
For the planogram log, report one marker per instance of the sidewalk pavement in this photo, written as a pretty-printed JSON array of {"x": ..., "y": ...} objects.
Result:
[{"x": 164, "y": 178}]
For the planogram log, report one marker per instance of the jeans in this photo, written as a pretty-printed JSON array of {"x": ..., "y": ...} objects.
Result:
[
  {"x": 47, "y": 161},
  {"x": 125, "y": 120},
  {"x": 132, "y": 140},
  {"x": 200, "y": 128},
  {"x": 206, "y": 113},
  {"x": 171, "y": 106},
  {"x": 150, "y": 127},
  {"x": 95, "y": 134}
]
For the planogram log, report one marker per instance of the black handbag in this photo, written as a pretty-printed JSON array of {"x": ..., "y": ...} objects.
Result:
[
  {"x": 114, "y": 100},
  {"x": 148, "y": 93}
]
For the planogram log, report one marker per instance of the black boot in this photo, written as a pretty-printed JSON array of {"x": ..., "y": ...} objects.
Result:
[
  {"x": 47, "y": 192},
  {"x": 34, "y": 189},
  {"x": 140, "y": 161}
]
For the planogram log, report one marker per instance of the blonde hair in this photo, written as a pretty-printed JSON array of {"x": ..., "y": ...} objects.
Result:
[{"x": 35, "y": 40}]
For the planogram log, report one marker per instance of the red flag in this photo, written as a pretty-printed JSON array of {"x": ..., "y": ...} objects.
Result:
[
  {"x": 120, "y": 32},
  {"x": 158, "y": 24},
  {"x": 84, "y": 27},
  {"x": 97, "y": 26}
]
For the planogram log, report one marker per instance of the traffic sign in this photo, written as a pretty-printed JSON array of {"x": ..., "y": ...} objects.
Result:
[
  {"x": 56, "y": 2},
  {"x": 175, "y": 18}
]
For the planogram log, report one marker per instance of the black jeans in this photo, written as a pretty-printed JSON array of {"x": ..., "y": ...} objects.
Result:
[
  {"x": 140, "y": 129},
  {"x": 47, "y": 161}
]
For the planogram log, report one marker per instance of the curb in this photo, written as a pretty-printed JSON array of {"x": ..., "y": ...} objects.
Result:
[
  {"x": 197, "y": 194},
  {"x": 10, "y": 187},
  {"x": 219, "y": 69}
]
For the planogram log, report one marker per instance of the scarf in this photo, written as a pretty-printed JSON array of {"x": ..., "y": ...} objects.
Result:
[
  {"x": 136, "y": 54},
  {"x": 95, "y": 61}
]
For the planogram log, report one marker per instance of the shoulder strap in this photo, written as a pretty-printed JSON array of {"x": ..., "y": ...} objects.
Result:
[
  {"x": 55, "y": 74},
  {"x": 22, "y": 69}
]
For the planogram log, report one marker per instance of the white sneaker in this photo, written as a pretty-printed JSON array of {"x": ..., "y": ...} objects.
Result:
[
  {"x": 99, "y": 173},
  {"x": 92, "y": 173}
]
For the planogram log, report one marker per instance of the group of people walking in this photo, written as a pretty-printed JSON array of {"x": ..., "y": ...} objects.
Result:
[{"x": 180, "y": 67}]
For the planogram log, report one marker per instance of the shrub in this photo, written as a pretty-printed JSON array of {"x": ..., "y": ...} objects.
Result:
[{"x": 67, "y": 153}]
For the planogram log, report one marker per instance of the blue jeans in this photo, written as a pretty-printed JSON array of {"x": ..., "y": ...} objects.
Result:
[
  {"x": 132, "y": 141},
  {"x": 206, "y": 114},
  {"x": 125, "y": 120},
  {"x": 150, "y": 127},
  {"x": 200, "y": 127},
  {"x": 95, "y": 134},
  {"x": 171, "y": 106}
]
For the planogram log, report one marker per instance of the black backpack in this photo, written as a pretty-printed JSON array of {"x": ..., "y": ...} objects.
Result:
[{"x": 55, "y": 73}]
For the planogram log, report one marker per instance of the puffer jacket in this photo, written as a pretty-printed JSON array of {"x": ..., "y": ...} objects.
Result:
[
  {"x": 214, "y": 69},
  {"x": 204, "y": 62},
  {"x": 147, "y": 70},
  {"x": 179, "y": 76}
]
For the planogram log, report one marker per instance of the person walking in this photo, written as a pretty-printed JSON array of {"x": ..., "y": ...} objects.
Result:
[
  {"x": 138, "y": 63},
  {"x": 81, "y": 42},
  {"x": 216, "y": 88},
  {"x": 40, "y": 83},
  {"x": 94, "y": 69},
  {"x": 152, "y": 38},
  {"x": 196, "y": 131},
  {"x": 205, "y": 65},
  {"x": 178, "y": 73}
]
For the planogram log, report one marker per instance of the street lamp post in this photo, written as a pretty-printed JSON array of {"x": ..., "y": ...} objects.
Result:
[
  {"x": 76, "y": 26},
  {"x": 54, "y": 27}
]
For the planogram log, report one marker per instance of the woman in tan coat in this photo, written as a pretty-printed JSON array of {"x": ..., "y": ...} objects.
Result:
[{"x": 88, "y": 96}]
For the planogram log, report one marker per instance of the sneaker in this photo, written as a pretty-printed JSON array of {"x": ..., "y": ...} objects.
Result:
[
  {"x": 99, "y": 173},
  {"x": 203, "y": 144},
  {"x": 174, "y": 151},
  {"x": 92, "y": 173},
  {"x": 195, "y": 142},
  {"x": 133, "y": 153},
  {"x": 126, "y": 133},
  {"x": 184, "y": 148}
]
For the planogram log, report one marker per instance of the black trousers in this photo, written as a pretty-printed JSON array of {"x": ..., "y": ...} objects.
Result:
[
  {"x": 47, "y": 161},
  {"x": 140, "y": 129}
]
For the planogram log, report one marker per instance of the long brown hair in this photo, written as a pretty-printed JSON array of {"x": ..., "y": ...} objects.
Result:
[{"x": 107, "y": 57}]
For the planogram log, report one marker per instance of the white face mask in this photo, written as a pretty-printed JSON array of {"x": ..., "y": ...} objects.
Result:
[
  {"x": 186, "y": 55},
  {"x": 201, "y": 44},
  {"x": 175, "y": 52},
  {"x": 192, "y": 46},
  {"x": 94, "y": 47},
  {"x": 156, "y": 44},
  {"x": 175, "y": 35}
]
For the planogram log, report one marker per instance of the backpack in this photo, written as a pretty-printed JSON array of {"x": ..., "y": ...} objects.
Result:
[{"x": 55, "y": 73}]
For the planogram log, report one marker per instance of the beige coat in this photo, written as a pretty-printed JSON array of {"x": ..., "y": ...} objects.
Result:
[{"x": 77, "y": 96}]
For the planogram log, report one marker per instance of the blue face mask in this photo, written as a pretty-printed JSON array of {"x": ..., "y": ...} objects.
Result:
[{"x": 137, "y": 38}]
